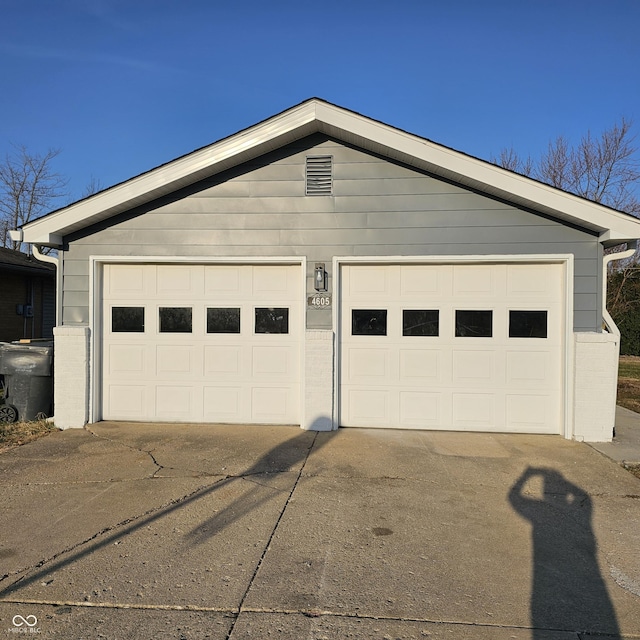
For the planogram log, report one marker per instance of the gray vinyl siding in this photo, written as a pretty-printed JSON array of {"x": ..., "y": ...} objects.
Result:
[{"x": 378, "y": 208}]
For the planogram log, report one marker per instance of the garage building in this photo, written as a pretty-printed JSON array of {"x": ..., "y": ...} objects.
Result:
[{"x": 324, "y": 269}]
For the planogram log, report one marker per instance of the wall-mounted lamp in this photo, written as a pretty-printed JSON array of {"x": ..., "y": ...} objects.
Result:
[{"x": 320, "y": 277}]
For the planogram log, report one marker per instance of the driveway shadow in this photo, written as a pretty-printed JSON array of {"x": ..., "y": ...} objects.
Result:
[
  {"x": 292, "y": 451},
  {"x": 568, "y": 591},
  {"x": 280, "y": 459}
]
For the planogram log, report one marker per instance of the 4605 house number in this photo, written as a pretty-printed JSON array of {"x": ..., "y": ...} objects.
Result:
[{"x": 319, "y": 301}]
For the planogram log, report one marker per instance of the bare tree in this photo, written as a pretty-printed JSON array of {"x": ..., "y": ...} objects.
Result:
[
  {"x": 605, "y": 169},
  {"x": 94, "y": 186},
  {"x": 28, "y": 188},
  {"x": 509, "y": 159}
]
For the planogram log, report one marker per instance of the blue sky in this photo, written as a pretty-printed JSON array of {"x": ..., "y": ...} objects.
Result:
[{"x": 122, "y": 86}]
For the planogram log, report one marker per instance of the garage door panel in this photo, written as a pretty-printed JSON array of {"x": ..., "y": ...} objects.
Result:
[
  {"x": 126, "y": 359},
  {"x": 202, "y": 365},
  {"x": 223, "y": 403},
  {"x": 223, "y": 359},
  {"x": 179, "y": 281},
  {"x": 420, "y": 409},
  {"x": 127, "y": 401},
  {"x": 473, "y": 371},
  {"x": 274, "y": 362},
  {"x": 423, "y": 365},
  {"x": 528, "y": 412},
  {"x": 372, "y": 282},
  {"x": 534, "y": 282},
  {"x": 230, "y": 282},
  {"x": 472, "y": 282},
  {"x": 130, "y": 282},
  {"x": 368, "y": 363},
  {"x": 370, "y": 405},
  {"x": 528, "y": 367},
  {"x": 175, "y": 402},
  {"x": 175, "y": 360},
  {"x": 273, "y": 405},
  {"x": 474, "y": 367},
  {"x": 276, "y": 283},
  {"x": 474, "y": 410},
  {"x": 416, "y": 280}
]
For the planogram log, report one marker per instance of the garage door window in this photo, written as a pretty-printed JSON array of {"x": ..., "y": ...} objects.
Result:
[
  {"x": 223, "y": 320},
  {"x": 369, "y": 322},
  {"x": 527, "y": 324},
  {"x": 175, "y": 320},
  {"x": 127, "y": 319},
  {"x": 272, "y": 320},
  {"x": 420, "y": 322},
  {"x": 474, "y": 324}
]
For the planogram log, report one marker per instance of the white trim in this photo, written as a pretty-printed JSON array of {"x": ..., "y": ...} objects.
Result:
[
  {"x": 569, "y": 347},
  {"x": 566, "y": 429},
  {"x": 317, "y": 115},
  {"x": 96, "y": 263}
]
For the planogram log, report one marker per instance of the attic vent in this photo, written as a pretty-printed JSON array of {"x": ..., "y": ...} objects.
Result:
[{"x": 319, "y": 175}]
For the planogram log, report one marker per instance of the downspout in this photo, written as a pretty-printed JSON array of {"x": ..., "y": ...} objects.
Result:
[
  {"x": 56, "y": 262},
  {"x": 42, "y": 257},
  {"x": 610, "y": 325}
]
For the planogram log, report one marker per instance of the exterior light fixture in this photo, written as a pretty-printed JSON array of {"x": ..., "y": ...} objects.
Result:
[{"x": 320, "y": 277}]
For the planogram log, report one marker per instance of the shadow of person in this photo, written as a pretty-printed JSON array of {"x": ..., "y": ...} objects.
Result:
[{"x": 568, "y": 591}]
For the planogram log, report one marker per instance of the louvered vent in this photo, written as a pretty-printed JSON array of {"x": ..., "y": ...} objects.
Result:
[{"x": 319, "y": 175}]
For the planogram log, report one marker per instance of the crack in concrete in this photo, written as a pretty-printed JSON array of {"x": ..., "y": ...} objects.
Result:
[{"x": 88, "y": 429}]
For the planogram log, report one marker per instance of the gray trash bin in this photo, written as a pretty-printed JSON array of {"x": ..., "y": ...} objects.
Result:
[{"x": 28, "y": 381}]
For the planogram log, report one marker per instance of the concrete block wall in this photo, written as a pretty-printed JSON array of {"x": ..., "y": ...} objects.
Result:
[
  {"x": 595, "y": 386},
  {"x": 318, "y": 412},
  {"x": 71, "y": 375}
]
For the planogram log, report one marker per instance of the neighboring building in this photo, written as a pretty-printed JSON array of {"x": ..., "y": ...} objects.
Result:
[
  {"x": 27, "y": 297},
  {"x": 324, "y": 269}
]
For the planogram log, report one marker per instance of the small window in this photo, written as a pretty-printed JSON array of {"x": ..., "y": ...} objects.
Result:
[
  {"x": 527, "y": 324},
  {"x": 127, "y": 319},
  {"x": 369, "y": 322},
  {"x": 419, "y": 322},
  {"x": 223, "y": 320},
  {"x": 175, "y": 320},
  {"x": 474, "y": 324},
  {"x": 272, "y": 320}
]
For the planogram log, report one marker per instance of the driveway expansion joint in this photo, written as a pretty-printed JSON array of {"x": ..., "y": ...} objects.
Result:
[{"x": 273, "y": 533}]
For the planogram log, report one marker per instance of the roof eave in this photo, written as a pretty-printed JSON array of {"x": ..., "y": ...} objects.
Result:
[
  {"x": 251, "y": 143},
  {"x": 350, "y": 127}
]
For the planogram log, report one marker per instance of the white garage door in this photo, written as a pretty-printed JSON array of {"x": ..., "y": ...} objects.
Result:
[
  {"x": 199, "y": 343},
  {"x": 460, "y": 347}
]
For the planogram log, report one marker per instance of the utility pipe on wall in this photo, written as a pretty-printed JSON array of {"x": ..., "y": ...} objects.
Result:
[
  {"x": 621, "y": 255},
  {"x": 55, "y": 261}
]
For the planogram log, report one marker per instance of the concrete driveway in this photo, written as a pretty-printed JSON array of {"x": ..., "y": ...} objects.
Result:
[{"x": 127, "y": 531}]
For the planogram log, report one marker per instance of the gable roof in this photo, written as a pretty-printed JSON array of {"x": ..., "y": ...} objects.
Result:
[
  {"x": 16, "y": 261},
  {"x": 316, "y": 115}
]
